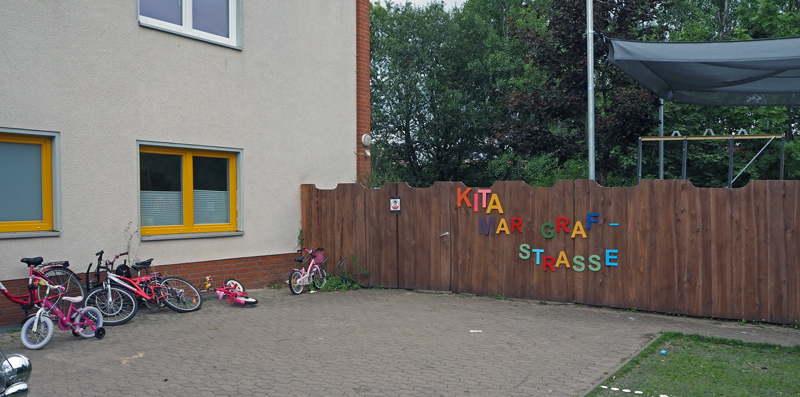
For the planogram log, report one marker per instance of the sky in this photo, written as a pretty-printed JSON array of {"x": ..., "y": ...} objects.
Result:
[{"x": 448, "y": 4}]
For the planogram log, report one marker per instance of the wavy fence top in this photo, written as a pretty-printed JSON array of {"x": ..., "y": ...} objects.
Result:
[{"x": 663, "y": 246}]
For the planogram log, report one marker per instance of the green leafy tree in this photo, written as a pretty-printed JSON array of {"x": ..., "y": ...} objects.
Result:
[
  {"x": 435, "y": 81},
  {"x": 548, "y": 113}
]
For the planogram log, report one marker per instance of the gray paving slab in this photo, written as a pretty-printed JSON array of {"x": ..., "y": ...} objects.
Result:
[{"x": 361, "y": 343}]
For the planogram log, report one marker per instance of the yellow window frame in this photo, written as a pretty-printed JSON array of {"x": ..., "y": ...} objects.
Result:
[
  {"x": 187, "y": 180},
  {"x": 46, "y": 223}
]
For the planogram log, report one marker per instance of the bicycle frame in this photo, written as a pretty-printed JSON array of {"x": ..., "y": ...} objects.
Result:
[
  {"x": 313, "y": 266},
  {"x": 64, "y": 320},
  {"x": 133, "y": 284},
  {"x": 31, "y": 299},
  {"x": 306, "y": 272}
]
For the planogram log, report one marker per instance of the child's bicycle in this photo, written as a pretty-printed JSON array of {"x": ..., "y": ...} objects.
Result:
[
  {"x": 233, "y": 290},
  {"x": 86, "y": 322},
  {"x": 312, "y": 274}
]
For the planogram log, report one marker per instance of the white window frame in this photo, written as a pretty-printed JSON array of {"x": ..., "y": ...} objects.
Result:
[{"x": 234, "y": 25}]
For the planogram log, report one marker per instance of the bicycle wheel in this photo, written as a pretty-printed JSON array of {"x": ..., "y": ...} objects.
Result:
[
  {"x": 90, "y": 316},
  {"x": 232, "y": 282},
  {"x": 36, "y": 340},
  {"x": 118, "y": 306},
  {"x": 319, "y": 277},
  {"x": 180, "y": 295},
  {"x": 66, "y": 278},
  {"x": 294, "y": 283}
]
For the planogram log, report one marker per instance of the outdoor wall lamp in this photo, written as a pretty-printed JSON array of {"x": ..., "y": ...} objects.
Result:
[{"x": 366, "y": 140}]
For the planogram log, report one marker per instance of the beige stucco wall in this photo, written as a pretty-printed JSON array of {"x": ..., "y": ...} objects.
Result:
[{"x": 89, "y": 71}]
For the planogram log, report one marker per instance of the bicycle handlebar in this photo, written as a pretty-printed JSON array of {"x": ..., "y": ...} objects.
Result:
[
  {"x": 41, "y": 280},
  {"x": 310, "y": 251}
]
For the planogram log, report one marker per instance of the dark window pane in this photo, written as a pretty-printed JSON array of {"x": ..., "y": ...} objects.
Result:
[
  {"x": 161, "y": 199},
  {"x": 211, "y": 16},
  {"x": 210, "y": 173},
  {"x": 160, "y": 172},
  {"x": 163, "y": 10}
]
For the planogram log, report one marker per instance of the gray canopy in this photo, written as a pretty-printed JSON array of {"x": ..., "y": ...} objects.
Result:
[{"x": 724, "y": 73}]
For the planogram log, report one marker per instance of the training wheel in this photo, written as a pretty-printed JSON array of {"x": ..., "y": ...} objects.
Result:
[{"x": 100, "y": 333}]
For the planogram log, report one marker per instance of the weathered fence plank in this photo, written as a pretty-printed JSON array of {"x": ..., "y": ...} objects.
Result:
[{"x": 663, "y": 246}]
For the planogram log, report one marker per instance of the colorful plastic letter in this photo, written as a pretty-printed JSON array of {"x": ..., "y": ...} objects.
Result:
[
  {"x": 611, "y": 255},
  {"x": 595, "y": 262},
  {"x": 548, "y": 262},
  {"x": 516, "y": 223},
  {"x": 483, "y": 192},
  {"x": 502, "y": 226},
  {"x": 578, "y": 262},
  {"x": 494, "y": 204},
  {"x": 562, "y": 258},
  {"x": 524, "y": 251},
  {"x": 589, "y": 220},
  {"x": 562, "y": 221},
  {"x": 539, "y": 253},
  {"x": 550, "y": 231},
  {"x": 485, "y": 227},
  {"x": 463, "y": 197},
  {"x": 578, "y": 229}
]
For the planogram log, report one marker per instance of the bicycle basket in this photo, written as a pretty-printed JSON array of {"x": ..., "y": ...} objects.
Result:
[
  {"x": 123, "y": 271},
  {"x": 318, "y": 257}
]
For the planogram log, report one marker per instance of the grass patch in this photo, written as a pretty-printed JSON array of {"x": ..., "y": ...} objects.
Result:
[{"x": 696, "y": 365}]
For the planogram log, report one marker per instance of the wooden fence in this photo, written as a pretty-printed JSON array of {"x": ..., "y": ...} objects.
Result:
[{"x": 662, "y": 246}]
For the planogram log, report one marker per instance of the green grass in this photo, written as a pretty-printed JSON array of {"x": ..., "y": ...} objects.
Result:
[{"x": 696, "y": 365}]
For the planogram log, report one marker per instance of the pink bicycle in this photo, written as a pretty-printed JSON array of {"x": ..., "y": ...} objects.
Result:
[
  {"x": 313, "y": 274},
  {"x": 86, "y": 322},
  {"x": 233, "y": 290}
]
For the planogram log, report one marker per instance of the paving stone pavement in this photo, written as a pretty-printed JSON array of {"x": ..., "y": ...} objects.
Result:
[{"x": 361, "y": 343}]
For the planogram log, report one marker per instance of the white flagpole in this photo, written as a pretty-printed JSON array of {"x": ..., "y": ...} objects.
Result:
[{"x": 590, "y": 75}]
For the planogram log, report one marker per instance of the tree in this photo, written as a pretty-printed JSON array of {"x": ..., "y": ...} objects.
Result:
[
  {"x": 435, "y": 83},
  {"x": 548, "y": 114}
]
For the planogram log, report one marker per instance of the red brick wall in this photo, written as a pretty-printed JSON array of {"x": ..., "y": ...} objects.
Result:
[
  {"x": 10, "y": 312},
  {"x": 254, "y": 272},
  {"x": 362, "y": 89}
]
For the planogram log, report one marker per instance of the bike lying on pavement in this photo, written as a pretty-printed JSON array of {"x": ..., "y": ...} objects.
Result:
[
  {"x": 86, "y": 322},
  {"x": 233, "y": 290},
  {"x": 155, "y": 291}
]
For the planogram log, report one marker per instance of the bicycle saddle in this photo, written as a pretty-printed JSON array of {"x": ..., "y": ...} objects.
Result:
[
  {"x": 33, "y": 261},
  {"x": 142, "y": 265},
  {"x": 300, "y": 259}
]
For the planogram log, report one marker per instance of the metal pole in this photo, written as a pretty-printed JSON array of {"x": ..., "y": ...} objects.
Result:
[
  {"x": 683, "y": 163},
  {"x": 590, "y": 86},
  {"x": 639, "y": 163},
  {"x": 730, "y": 162},
  {"x": 753, "y": 159},
  {"x": 661, "y": 143},
  {"x": 783, "y": 145}
]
